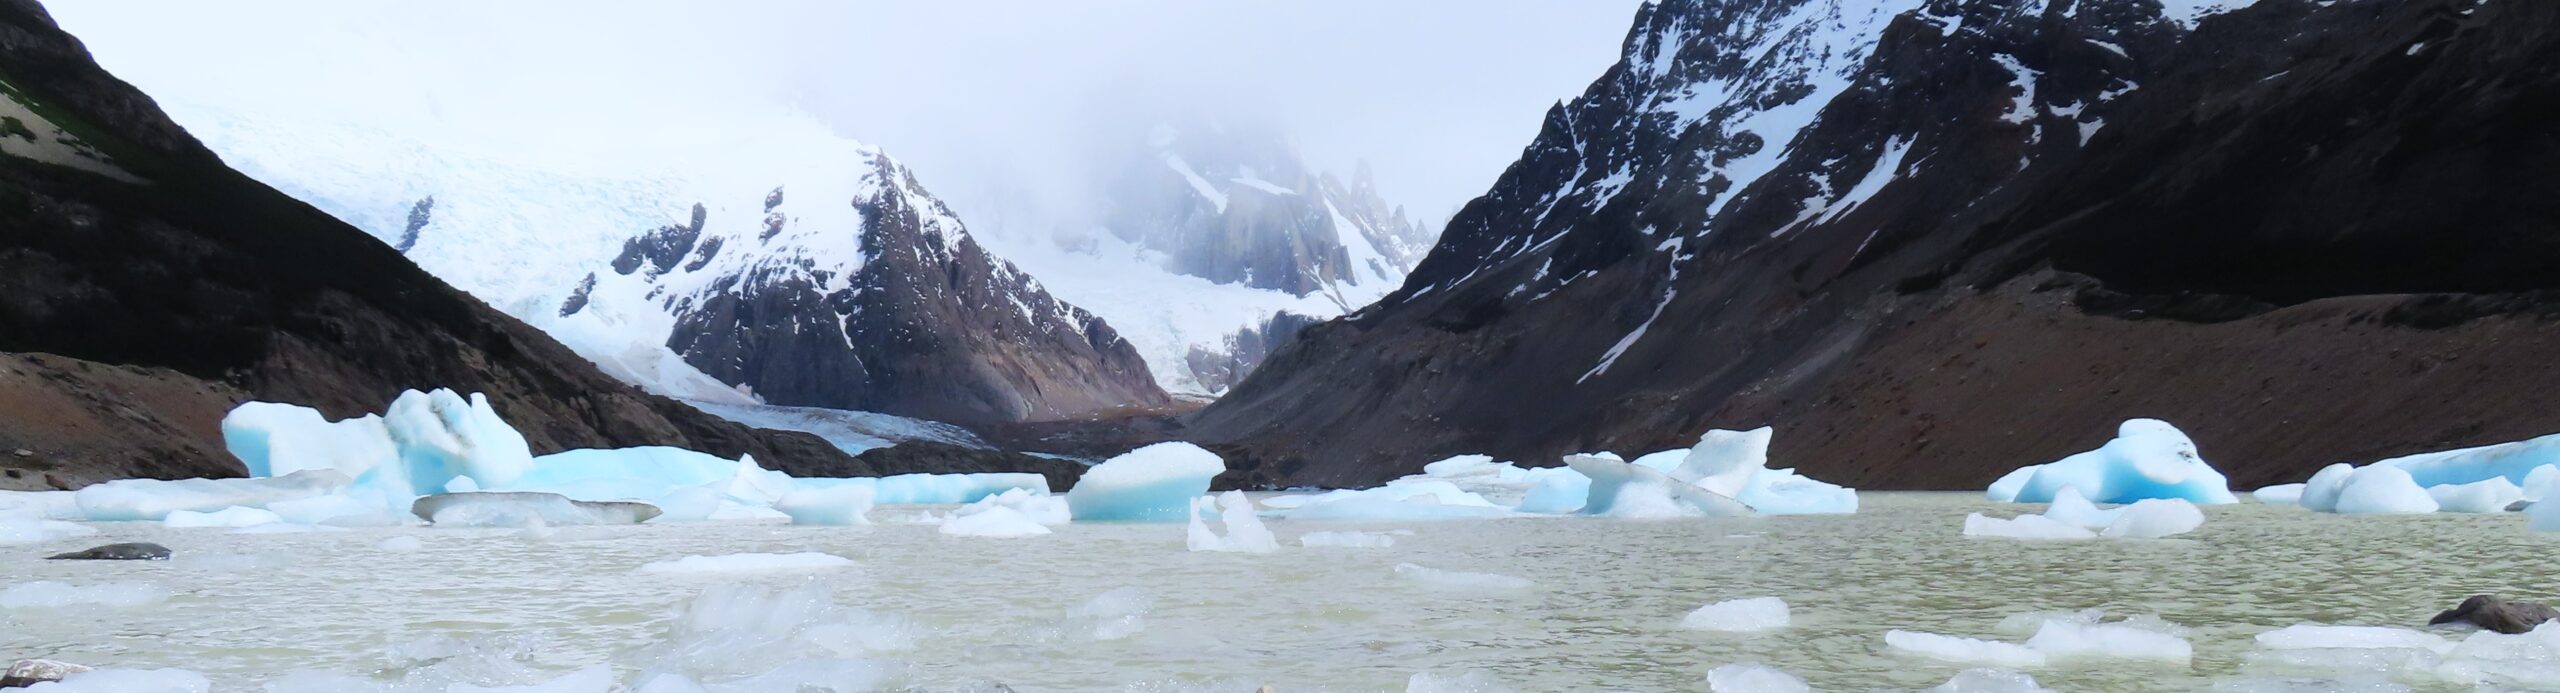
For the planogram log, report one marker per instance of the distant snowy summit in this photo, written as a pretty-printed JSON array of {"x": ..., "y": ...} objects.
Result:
[
  {"x": 1227, "y": 216},
  {"x": 787, "y": 266}
]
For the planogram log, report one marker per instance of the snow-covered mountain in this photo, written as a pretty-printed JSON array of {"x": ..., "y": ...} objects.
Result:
[
  {"x": 1930, "y": 238},
  {"x": 1228, "y": 218},
  {"x": 784, "y": 265}
]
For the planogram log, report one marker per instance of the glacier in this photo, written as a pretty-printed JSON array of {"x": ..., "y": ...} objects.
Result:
[
  {"x": 2147, "y": 459},
  {"x": 1150, "y": 484}
]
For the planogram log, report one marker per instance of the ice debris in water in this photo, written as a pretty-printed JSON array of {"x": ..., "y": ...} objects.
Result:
[
  {"x": 749, "y": 563},
  {"x": 526, "y": 509},
  {"x": 1625, "y": 490},
  {"x": 1347, "y": 540},
  {"x": 1739, "y": 615},
  {"x": 234, "y": 516},
  {"x": 1154, "y": 484},
  {"x": 154, "y": 499},
  {"x": 2067, "y": 639},
  {"x": 1112, "y": 615},
  {"x": 2486, "y": 479},
  {"x": 2493, "y": 495},
  {"x": 1468, "y": 681},
  {"x": 732, "y": 634},
  {"x": 47, "y": 594},
  {"x": 1405, "y": 499},
  {"x": 837, "y": 505},
  {"x": 1459, "y": 581},
  {"x": 2147, "y": 459},
  {"x": 1245, "y": 533},
  {"x": 1048, "y": 510},
  {"x": 998, "y": 521},
  {"x": 2073, "y": 517},
  {"x": 1753, "y": 677},
  {"x": 1989, "y": 681},
  {"x": 1949, "y": 648},
  {"x": 2368, "y": 490},
  {"x": 2366, "y": 655}
]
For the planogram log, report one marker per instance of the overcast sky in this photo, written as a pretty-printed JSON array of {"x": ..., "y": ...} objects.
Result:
[{"x": 976, "y": 96}]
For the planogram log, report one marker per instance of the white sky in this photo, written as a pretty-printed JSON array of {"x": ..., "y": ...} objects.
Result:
[{"x": 976, "y": 96}]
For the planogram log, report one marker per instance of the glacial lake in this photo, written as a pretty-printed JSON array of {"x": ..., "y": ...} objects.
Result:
[{"x": 961, "y": 613}]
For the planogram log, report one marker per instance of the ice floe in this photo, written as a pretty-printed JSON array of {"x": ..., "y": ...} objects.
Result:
[
  {"x": 829, "y": 505},
  {"x": 1461, "y": 581},
  {"x": 1151, "y": 484},
  {"x": 2147, "y": 459},
  {"x": 1244, "y": 531},
  {"x": 2071, "y": 517},
  {"x": 997, "y": 521},
  {"x": 1750, "y": 615},
  {"x": 1753, "y": 677},
  {"x": 1961, "y": 650}
]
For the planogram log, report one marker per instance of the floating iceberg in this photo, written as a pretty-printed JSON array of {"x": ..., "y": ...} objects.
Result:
[
  {"x": 1406, "y": 499},
  {"x": 1622, "y": 489},
  {"x": 738, "y": 563},
  {"x": 2493, "y": 495},
  {"x": 234, "y": 516},
  {"x": 2071, "y": 509},
  {"x": 1151, "y": 484},
  {"x": 2379, "y": 490},
  {"x": 1245, "y": 533},
  {"x": 154, "y": 499},
  {"x": 419, "y": 445},
  {"x": 2514, "y": 462},
  {"x": 1459, "y": 581},
  {"x": 1735, "y": 464},
  {"x": 1739, "y": 616},
  {"x": 1949, "y": 648},
  {"x": 2069, "y": 639},
  {"x": 995, "y": 521},
  {"x": 2023, "y": 527},
  {"x": 836, "y": 505},
  {"x": 2147, "y": 459},
  {"x": 1048, "y": 510},
  {"x": 526, "y": 509},
  {"x": 1753, "y": 677}
]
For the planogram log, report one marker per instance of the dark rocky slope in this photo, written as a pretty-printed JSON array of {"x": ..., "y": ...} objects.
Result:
[
  {"x": 132, "y": 315},
  {"x": 2305, "y": 232}
]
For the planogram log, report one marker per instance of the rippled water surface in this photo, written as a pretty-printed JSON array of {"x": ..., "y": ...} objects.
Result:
[{"x": 1604, "y": 614}]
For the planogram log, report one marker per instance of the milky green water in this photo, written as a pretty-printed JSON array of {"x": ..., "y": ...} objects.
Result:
[{"x": 1604, "y": 614}]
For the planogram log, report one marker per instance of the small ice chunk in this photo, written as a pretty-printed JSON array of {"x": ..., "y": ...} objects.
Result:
[
  {"x": 1113, "y": 615},
  {"x": 2147, "y": 459},
  {"x": 2066, "y": 639},
  {"x": 1151, "y": 484},
  {"x": 1459, "y": 581},
  {"x": 737, "y": 563},
  {"x": 234, "y": 516},
  {"x": 1245, "y": 533},
  {"x": 2279, "y": 494},
  {"x": 1347, "y": 540},
  {"x": 127, "y": 681},
  {"x": 1753, "y": 677},
  {"x": 1041, "y": 507},
  {"x": 1739, "y": 616},
  {"x": 830, "y": 505},
  {"x": 402, "y": 544},
  {"x": 997, "y": 521},
  {"x": 1949, "y": 648},
  {"x": 2493, "y": 495},
  {"x": 2318, "y": 636},
  {"x": 1989, "y": 681},
  {"x": 2022, "y": 527},
  {"x": 2155, "y": 518},
  {"x": 2383, "y": 490},
  {"x": 47, "y": 594}
]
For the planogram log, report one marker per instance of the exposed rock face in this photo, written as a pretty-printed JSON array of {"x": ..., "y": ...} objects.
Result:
[
  {"x": 899, "y": 312},
  {"x": 137, "y": 551},
  {"x": 1232, "y": 203},
  {"x": 1220, "y": 369},
  {"x": 1931, "y": 241},
  {"x": 2492, "y": 613},
  {"x": 132, "y": 315}
]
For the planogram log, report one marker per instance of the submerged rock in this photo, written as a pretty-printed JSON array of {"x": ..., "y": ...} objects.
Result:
[
  {"x": 136, "y": 551},
  {"x": 2493, "y": 613},
  {"x": 523, "y": 509},
  {"x": 29, "y": 672}
]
